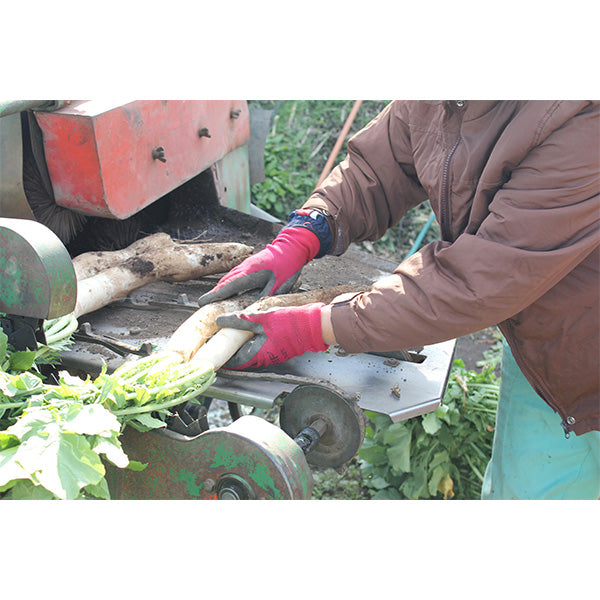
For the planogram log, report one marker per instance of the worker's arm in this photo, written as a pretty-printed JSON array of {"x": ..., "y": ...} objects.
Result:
[
  {"x": 313, "y": 230},
  {"x": 542, "y": 223},
  {"x": 375, "y": 185}
]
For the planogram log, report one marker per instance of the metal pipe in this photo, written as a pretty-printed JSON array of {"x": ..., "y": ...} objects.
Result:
[
  {"x": 339, "y": 142},
  {"x": 421, "y": 235},
  {"x": 10, "y": 107}
]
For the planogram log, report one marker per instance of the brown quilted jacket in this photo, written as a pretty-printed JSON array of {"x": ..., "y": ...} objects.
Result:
[{"x": 515, "y": 186}]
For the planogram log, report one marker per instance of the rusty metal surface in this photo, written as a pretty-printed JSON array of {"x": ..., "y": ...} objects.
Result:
[
  {"x": 268, "y": 463},
  {"x": 402, "y": 390},
  {"x": 104, "y": 160}
]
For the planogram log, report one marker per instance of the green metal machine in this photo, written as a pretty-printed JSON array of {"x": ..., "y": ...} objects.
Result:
[
  {"x": 37, "y": 280},
  {"x": 249, "y": 459}
]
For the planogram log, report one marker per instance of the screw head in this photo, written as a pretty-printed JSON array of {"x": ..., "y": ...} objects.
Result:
[{"x": 158, "y": 153}]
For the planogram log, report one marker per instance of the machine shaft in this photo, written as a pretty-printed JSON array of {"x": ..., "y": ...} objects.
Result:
[{"x": 311, "y": 434}]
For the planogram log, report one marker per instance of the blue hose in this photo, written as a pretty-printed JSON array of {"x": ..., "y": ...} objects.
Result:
[{"x": 421, "y": 235}]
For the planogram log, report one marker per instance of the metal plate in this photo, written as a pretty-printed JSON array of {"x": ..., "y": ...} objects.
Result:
[
  {"x": 100, "y": 154},
  {"x": 402, "y": 390},
  {"x": 13, "y": 202}
]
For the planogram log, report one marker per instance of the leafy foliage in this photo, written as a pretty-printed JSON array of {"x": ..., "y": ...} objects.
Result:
[
  {"x": 303, "y": 135},
  {"x": 53, "y": 438},
  {"x": 442, "y": 454}
]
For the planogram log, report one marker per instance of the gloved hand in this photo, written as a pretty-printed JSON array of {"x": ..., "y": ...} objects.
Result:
[
  {"x": 275, "y": 269},
  {"x": 280, "y": 334}
]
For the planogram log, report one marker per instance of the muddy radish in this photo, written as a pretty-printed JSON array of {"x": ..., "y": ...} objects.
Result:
[{"x": 165, "y": 262}]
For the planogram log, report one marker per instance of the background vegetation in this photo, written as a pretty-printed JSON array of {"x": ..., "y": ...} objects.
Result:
[{"x": 302, "y": 136}]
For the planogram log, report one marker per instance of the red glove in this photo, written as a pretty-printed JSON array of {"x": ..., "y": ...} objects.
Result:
[
  {"x": 281, "y": 334},
  {"x": 275, "y": 269}
]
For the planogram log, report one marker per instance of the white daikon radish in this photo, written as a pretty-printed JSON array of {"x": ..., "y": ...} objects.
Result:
[
  {"x": 167, "y": 262},
  {"x": 227, "y": 341},
  {"x": 89, "y": 264}
]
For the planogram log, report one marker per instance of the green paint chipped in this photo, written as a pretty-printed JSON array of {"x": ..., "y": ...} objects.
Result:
[
  {"x": 189, "y": 479},
  {"x": 256, "y": 470}
]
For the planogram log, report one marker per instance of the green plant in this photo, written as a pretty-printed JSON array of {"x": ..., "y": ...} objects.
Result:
[
  {"x": 442, "y": 454},
  {"x": 347, "y": 484},
  {"x": 303, "y": 135},
  {"x": 53, "y": 437}
]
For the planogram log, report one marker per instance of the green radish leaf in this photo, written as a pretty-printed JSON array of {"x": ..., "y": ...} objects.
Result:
[
  {"x": 99, "y": 490},
  {"x": 415, "y": 487},
  {"x": 431, "y": 424},
  {"x": 379, "y": 483},
  {"x": 113, "y": 451},
  {"x": 396, "y": 433},
  {"x": 439, "y": 458},
  {"x": 145, "y": 422},
  {"x": 3, "y": 345},
  {"x": 135, "y": 465},
  {"x": 92, "y": 419},
  {"x": 26, "y": 490},
  {"x": 10, "y": 469},
  {"x": 8, "y": 440},
  {"x": 62, "y": 462},
  {"x": 399, "y": 455},
  {"x": 438, "y": 473},
  {"x": 22, "y": 360},
  {"x": 376, "y": 455},
  {"x": 387, "y": 494}
]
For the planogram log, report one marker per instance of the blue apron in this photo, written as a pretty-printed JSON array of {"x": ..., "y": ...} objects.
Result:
[{"x": 531, "y": 457}]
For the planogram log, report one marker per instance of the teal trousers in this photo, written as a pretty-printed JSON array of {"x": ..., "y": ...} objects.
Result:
[{"x": 531, "y": 457}]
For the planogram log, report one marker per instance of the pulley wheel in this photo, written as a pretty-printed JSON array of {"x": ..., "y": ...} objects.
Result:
[
  {"x": 345, "y": 423},
  {"x": 252, "y": 459}
]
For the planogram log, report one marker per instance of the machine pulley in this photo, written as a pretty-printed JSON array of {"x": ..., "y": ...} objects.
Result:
[{"x": 251, "y": 458}]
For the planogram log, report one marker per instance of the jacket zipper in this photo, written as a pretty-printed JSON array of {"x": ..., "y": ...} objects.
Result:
[
  {"x": 445, "y": 225},
  {"x": 566, "y": 422}
]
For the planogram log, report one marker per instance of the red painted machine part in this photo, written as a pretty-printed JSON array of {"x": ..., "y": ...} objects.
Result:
[{"x": 100, "y": 156}]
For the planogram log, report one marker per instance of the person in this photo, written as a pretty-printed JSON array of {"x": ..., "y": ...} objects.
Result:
[{"x": 515, "y": 187}]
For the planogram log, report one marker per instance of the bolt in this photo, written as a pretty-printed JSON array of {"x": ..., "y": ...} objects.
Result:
[
  {"x": 229, "y": 494},
  {"x": 203, "y": 132},
  {"x": 235, "y": 113},
  {"x": 209, "y": 485},
  {"x": 158, "y": 153}
]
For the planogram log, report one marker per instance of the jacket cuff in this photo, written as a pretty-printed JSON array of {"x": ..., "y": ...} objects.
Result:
[
  {"x": 345, "y": 327},
  {"x": 314, "y": 221}
]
